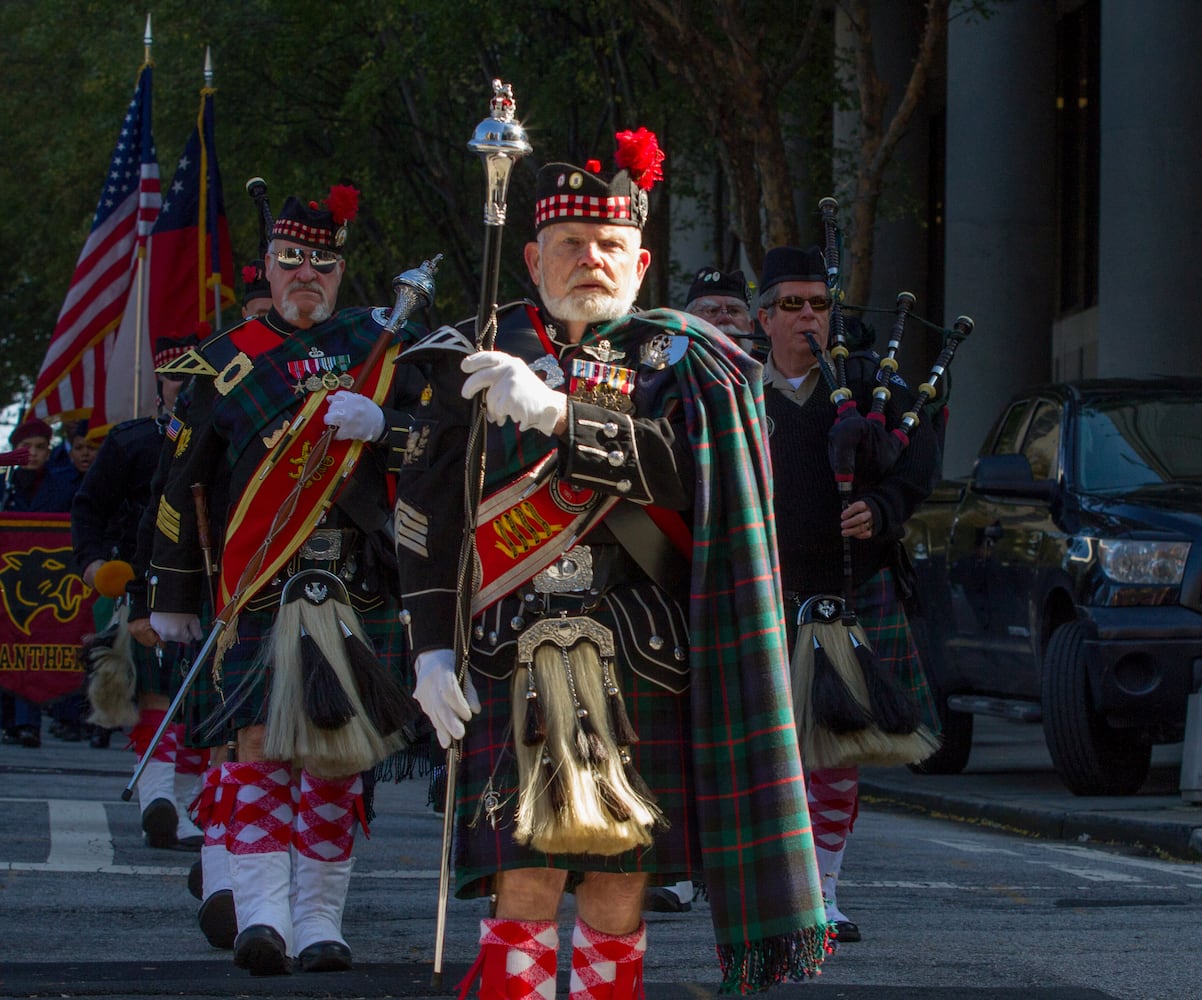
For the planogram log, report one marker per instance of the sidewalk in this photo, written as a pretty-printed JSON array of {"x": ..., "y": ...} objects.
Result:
[{"x": 1010, "y": 782}]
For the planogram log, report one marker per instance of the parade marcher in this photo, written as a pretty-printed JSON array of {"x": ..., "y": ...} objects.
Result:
[
  {"x": 105, "y": 519},
  {"x": 310, "y": 584},
  {"x": 256, "y": 300},
  {"x": 209, "y": 880},
  {"x": 723, "y": 299},
  {"x": 627, "y": 662},
  {"x": 794, "y": 300}
]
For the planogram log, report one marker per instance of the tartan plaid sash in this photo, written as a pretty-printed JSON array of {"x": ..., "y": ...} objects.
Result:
[{"x": 756, "y": 839}]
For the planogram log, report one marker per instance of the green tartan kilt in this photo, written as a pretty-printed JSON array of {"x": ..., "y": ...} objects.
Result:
[
  {"x": 157, "y": 675},
  {"x": 888, "y": 630},
  {"x": 214, "y": 713},
  {"x": 662, "y": 757}
]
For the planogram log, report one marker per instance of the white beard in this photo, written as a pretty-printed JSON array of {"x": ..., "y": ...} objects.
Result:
[
  {"x": 291, "y": 311},
  {"x": 596, "y": 307}
]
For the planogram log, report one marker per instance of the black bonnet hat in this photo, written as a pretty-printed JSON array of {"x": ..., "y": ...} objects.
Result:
[
  {"x": 567, "y": 193},
  {"x": 792, "y": 264},
  {"x": 254, "y": 282},
  {"x": 711, "y": 281},
  {"x": 167, "y": 349},
  {"x": 323, "y": 226}
]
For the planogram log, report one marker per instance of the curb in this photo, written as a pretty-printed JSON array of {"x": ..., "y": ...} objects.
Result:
[{"x": 1176, "y": 839}]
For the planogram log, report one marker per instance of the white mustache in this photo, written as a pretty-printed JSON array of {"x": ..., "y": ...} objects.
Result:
[{"x": 605, "y": 285}]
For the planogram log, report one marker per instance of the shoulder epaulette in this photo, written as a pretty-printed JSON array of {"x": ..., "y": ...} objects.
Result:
[{"x": 190, "y": 363}]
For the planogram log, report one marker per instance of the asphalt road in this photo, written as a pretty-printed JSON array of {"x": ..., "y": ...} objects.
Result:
[{"x": 948, "y": 909}]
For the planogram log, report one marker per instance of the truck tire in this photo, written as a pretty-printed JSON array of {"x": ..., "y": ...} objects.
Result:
[
  {"x": 1091, "y": 757},
  {"x": 955, "y": 742}
]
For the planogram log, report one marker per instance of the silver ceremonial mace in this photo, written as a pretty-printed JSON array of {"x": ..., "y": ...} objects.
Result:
[{"x": 500, "y": 142}]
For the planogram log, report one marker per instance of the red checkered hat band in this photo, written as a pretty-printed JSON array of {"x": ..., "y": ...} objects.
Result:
[
  {"x": 561, "y": 207},
  {"x": 168, "y": 354},
  {"x": 298, "y": 232}
]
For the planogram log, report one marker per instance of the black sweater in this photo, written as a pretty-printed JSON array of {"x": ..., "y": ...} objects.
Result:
[{"x": 807, "y": 501}]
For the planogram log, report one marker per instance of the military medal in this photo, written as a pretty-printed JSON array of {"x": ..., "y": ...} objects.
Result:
[
  {"x": 319, "y": 371},
  {"x": 602, "y": 384}
]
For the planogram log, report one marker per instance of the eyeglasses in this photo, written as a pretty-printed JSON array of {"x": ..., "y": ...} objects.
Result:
[
  {"x": 322, "y": 261},
  {"x": 710, "y": 310},
  {"x": 796, "y": 303}
]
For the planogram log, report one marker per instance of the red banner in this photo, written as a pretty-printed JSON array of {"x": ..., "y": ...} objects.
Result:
[{"x": 47, "y": 609}]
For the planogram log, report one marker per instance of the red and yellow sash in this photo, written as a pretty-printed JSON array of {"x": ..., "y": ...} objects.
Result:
[
  {"x": 527, "y": 525},
  {"x": 271, "y": 488}
]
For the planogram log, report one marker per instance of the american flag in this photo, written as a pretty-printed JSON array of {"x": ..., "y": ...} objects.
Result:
[{"x": 89, "y": 369}]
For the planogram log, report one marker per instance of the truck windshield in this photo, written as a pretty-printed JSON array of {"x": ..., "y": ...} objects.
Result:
[{"x": 1124, "y": 444}]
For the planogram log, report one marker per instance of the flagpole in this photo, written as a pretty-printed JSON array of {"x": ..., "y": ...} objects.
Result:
[
  {"x": 140, "y": 299},
  {"x": 204, "y": 260}
]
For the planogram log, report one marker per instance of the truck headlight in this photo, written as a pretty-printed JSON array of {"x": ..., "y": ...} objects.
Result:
[{"x": 1143, "y": 561}]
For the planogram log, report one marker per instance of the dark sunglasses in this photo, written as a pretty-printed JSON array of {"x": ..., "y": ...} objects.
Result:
[
  {"x": 322, "y": 261},
  {"x": 796, "y": 303}
]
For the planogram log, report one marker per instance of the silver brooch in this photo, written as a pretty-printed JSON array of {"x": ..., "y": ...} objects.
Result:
[{"x": 548, "y": 367}]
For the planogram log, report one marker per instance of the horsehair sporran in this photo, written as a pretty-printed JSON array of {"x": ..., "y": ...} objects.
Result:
[
  {"x": 291, "y": 735},
  {"x": 575, "y": 796}
]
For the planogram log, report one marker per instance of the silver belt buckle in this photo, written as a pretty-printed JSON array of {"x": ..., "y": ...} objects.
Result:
[
  {"x": 570, "y": 573},
  {"x": 323, "y": 545}
]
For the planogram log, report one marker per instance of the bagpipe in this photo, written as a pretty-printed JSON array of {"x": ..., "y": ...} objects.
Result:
[{"x": 852, "y": 710}]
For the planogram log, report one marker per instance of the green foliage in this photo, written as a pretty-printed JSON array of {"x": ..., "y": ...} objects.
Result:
[{"x": 383, "y": 96}]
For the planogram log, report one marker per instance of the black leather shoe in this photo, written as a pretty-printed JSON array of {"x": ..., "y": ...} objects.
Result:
[
  {"x": 217, "y": 920},
  {"x": 159, "y": 821},
  {"x": 101, "y": 738},
  {"x": 326, "y": 956},
  {"x": 193, "y": 843},
  {"x": 196, "y": 881},
  {"x": 846, "y": 931},
  {"x": 260, "y": 949},
  {"x": 661, "y": 899},
  {"x": 27, "y": 736}
]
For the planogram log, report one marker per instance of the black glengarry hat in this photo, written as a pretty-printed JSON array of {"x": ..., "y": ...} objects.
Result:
[
  {"x": 567, "y": 193},
  {"x": 711, "y": 281},
  {"x": 792, "y": 264}
]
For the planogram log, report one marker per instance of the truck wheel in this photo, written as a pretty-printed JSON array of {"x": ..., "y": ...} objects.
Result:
[
  {"x": 955, "y": 743},
  {"x": 1090, "y": 757}
]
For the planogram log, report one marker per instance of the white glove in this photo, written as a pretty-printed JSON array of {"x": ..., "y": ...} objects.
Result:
[
  {"x": 176, "y": 626},
  {"x": 356, "y": 417},
  {"x": 440, "y": 696},
  {"x": 513, "y": 391}
]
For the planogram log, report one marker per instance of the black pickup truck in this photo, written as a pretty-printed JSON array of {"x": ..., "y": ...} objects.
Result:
[{"x": 1062, "y": 581}]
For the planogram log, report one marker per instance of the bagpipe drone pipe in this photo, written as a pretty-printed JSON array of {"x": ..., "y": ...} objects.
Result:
[{"x": 851, "y": 709}]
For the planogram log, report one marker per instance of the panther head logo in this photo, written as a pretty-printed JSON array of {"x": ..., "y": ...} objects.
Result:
[{"x": 39, "y": 580}]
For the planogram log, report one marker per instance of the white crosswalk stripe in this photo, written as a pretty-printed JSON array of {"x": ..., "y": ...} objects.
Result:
[{"x": 82, "y": 843}]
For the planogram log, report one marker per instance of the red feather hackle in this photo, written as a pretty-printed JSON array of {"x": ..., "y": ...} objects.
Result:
[
  {"x": 639, "y": 153},
  {"x": 343, "y": 203}
]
